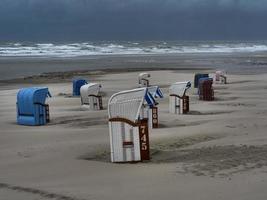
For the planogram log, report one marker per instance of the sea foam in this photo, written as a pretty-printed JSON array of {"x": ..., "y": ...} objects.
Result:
[{"x": 125, "y": 48}]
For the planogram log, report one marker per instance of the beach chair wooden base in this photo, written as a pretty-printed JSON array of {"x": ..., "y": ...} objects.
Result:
[
  {"x": 129, "y": 140},
  {"x": 153, "y": 118},
  {"x": 47, "y": 115},
  {"x": 179, "y": 105},
  {"x": 95, "y": 102}
]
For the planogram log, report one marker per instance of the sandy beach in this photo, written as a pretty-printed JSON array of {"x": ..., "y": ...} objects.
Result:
[{"x": 217, "y": 151}]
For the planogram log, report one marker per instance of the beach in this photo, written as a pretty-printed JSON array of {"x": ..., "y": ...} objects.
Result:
[{"x": 216, "y": 151}]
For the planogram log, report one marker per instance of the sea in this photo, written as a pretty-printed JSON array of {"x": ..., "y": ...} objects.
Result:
[
  {"x": 22, "y": 59},
  {"x": 30, "y": 49}
]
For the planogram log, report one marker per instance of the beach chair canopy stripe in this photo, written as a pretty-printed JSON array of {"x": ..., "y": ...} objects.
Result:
[
  {"x": 77, "y": 84},
  {"x": 150, "y": 101},
  {"x": 127, "y": 104},
  {"x": 30, "y": 105},
  {"x": 180, "y": 88},
  {"x": 155, "y": 91}
]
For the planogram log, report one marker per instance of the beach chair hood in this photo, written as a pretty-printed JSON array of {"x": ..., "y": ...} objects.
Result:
[
  {"x": 155, "y": 91},
  {"x": 27, "y": 97},
  {"x": 144, "y": 75},
  {"x": 89, "y": 89},
  {"x": 127, "y": 104},
  {"x": 180, "y": 88},
  {"x": 220, "y": 72}
]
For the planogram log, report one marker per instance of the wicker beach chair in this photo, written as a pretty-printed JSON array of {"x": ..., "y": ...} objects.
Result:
[
  {"x": 178, "y": 100},
  {"x": 90, "y": 96},
  {"x": 143, "y": 79},
  {"x": 205, "y": 89},
  {"x": 129, "y": 139},
  {"x": 220, "y": 77},
  {"x": 31, "y": 107}
]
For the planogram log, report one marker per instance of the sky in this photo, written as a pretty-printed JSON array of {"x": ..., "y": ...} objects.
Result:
[{"x": 94, "y": 20}]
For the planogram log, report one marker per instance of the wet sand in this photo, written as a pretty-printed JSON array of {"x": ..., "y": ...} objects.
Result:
[
  {"x": 235, "y": 63},
  {"x": 217, "y": 151}
]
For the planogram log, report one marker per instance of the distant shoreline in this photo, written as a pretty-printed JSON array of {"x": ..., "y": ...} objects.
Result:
[
  {"x": 62, "y": 77},
  {"x": 235, "y": 63}
]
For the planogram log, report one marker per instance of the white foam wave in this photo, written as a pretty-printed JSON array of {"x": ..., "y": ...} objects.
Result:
[{"x": 87, "y": 49}]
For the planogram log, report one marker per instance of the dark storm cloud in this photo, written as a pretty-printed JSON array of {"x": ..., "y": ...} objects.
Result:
[{"x": 132, "y": 19}]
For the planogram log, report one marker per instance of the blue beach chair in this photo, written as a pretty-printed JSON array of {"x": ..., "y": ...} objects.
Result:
[
  {"x": 197, "y": 77},
  {"x": 31, "y": 107},
  {"x": 77, "y": 84}
]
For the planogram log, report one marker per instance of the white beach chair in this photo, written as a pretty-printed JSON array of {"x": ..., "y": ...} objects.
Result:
[
  {"x": 220, "y": 77},
  {"x": 129, "y": 139},
  {"x": 90, "y": 97},
  {"x": 179, "y": 102},
  {"x": 143, "y": 79}
]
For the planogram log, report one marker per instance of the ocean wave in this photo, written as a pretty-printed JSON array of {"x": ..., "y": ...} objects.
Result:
[{"x": 126, "y": 48}]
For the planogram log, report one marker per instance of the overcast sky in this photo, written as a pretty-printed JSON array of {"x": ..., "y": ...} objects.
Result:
[{"x": 80, "y": 20}]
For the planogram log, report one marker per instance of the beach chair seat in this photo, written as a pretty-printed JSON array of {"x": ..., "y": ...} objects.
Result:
[
  {"x": 31, "y": 107},
  {"x": 178, "y": 100},
  {"x": 90, "y": 96}
]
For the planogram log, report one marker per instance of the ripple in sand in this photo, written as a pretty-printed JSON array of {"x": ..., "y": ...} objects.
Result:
[
  {"x": 179, "y": 123},
  {"x": 41, "y": 193},
  {"x": 222, "y": 161},
  {"x": 244, "y": 81},
  {"x": 225, "y": 98},
  {"x": 181, "y": 142},
  {"x": 103, "y": 154},
  {"x": 236, "y": 104},
  {"x": 209, "y": 113},
  {"x": 79, "y": 121},
  {"x": 215, "y": 160}
]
